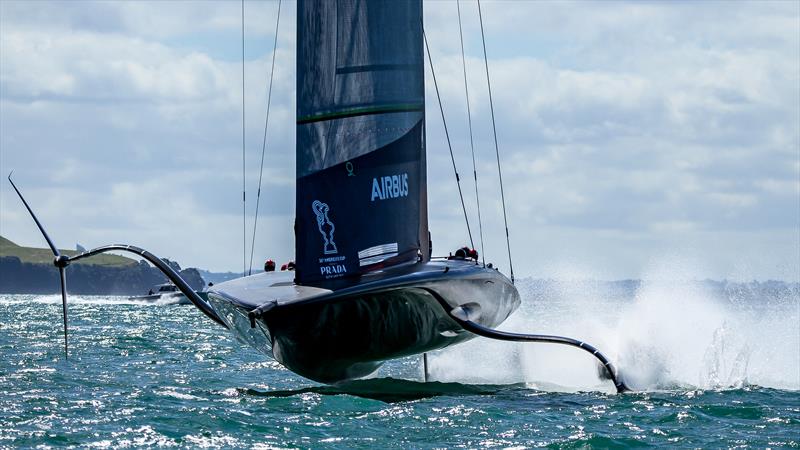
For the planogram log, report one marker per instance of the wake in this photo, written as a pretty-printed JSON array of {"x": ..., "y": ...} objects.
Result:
[
  {"x": 663, "y": 335},
  {"x": 55, "y": 299}
]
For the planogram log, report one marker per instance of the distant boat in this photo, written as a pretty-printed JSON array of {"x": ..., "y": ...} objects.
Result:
[
  {"x": 366, "y": 287},
  {"x": 164, "y": 293}
]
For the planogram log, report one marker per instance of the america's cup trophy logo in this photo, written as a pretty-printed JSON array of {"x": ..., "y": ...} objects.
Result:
[{"x": 325, "y": 226}]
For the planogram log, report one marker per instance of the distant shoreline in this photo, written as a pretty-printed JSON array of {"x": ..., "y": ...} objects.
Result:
[
  {"x": 17, "y": 277},
  {"x": 30, "y": 270}
]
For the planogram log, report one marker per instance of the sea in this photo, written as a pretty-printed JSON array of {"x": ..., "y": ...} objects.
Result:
[{"x": 713, "y": 364}]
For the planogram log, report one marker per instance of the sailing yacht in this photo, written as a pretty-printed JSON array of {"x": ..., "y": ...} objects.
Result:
[{"x": 366, "y": 288}]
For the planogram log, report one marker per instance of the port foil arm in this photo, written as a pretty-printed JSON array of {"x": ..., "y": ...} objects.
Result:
[
  {"x": 168, "y": 271},
  {"x": 59, "y": 260},
  {"x": 62, "y": 261}
]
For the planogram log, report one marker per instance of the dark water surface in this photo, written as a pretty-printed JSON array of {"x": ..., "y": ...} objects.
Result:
[{"x": 148, "y": 375}]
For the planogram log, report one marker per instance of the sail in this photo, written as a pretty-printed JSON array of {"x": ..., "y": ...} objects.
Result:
[{"x": 361, "y": 178}]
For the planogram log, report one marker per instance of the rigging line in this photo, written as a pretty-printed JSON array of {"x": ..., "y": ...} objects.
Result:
[
  {"x": 496, "y": 148},
  {"x": 264, "y": 143},
  {"x": 452, "y": 157},
  {"x": 244, "y": 201},
  {"x": 471, "y": 142}
]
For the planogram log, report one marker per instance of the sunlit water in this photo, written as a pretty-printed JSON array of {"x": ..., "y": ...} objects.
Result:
[{"x": 716, "y": 365}]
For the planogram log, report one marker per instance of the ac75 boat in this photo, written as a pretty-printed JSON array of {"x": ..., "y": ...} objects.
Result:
[{"x": 365, "y": 289}]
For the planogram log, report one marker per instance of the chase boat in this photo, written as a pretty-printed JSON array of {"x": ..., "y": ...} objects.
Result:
[{"x": 166, "y": 292}]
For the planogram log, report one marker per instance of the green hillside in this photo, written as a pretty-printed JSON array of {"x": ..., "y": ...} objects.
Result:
[{"x": 45, "y": 256}]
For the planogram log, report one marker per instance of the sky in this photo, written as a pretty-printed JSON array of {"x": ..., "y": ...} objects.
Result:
[{"x": 637, "y": 139}]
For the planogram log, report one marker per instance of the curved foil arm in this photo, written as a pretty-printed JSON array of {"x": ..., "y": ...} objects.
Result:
[
  {"x": 62, "y": 261},
  {"x": 462, "y": 315},
  {"x": 173, "y": 276}
]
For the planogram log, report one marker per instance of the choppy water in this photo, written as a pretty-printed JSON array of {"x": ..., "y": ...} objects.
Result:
[{"x": 718, "y": 365}]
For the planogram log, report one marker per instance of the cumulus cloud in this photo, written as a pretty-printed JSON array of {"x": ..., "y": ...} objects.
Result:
[{"x": 625, "y": 128}]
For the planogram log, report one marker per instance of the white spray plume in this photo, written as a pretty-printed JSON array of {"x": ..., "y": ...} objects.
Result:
[{"x": 670, "y": 331}]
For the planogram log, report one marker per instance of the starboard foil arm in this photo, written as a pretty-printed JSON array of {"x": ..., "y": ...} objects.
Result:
[
  {"x": 62, "y": 261},
  {"x": 463, "y": 315}
]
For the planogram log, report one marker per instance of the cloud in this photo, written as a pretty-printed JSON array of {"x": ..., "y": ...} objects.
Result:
[
  {"x": 74, "y": 67},
  {"x": 624, "y": 128}
]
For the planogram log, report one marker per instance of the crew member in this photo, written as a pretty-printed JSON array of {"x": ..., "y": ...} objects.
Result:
[
  {"x": 464, "y": 253},
  {"x": 269, "y": 266}
]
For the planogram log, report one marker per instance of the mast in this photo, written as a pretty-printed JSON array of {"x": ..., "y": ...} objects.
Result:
[{"x": 361, "y": 176}]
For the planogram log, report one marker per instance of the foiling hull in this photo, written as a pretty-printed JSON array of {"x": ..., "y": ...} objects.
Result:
[{"x": 333, "y": 336}]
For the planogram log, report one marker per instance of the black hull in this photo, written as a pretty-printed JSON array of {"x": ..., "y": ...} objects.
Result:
[
  {"x": 350, "y": 338},
  {"x": 348, "y": 334}
]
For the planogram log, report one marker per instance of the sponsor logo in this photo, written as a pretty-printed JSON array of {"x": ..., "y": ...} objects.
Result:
[
  {"x": 329, "y": 266},
  {"x": 325, "y": 226},
  {"x": 333, "y": 271},
  {"x": 391, "y": 186},
  {"x": 332, "y": 267}
]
